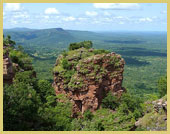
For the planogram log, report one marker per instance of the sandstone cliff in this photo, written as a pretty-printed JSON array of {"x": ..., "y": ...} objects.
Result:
[
  {"x": 87, "y": 75},
  {"x": 8, "y": 72}
]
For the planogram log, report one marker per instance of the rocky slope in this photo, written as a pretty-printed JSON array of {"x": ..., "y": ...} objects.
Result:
[
  {"x": 87, "y": 75},
  {"x": 155, "y": 118}
]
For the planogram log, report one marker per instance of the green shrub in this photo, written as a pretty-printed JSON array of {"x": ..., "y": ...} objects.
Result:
[
  {"x": 162, "y": 86},
  {"x": 88, "y": 115},
  {"x": 85, "y": 44},
  {"x": 22, "y": 59},
  {"x": 8, "y": 42},
  {"x": 110, "y": 101},
  {"x": 66, "y": 65},
  {"x": 64, "y": 53},
  {"x": 100, "y": 51},
  {"x": 131, "y": 103}
]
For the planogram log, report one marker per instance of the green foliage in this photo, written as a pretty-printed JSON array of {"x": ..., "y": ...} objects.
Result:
[
  {"x": 56, "y": 115},
  {"x": 85, "y": 44},
  {"x": 38, "y": 111},
  {"x": 88, "y": 115},
  {"x": 100, "y": 51},
  {"x": 21, "y": 58},
  {"x": 21, "y": 103},
  {"x": 67, "y": 76},
  {"x": 20, "y": 48},
  {"x": 44, "y": 89},
  {"x": 144, "y": 53},
  {"x": 153, "y": 120},
  {"x": 131, "y": 103},
  {"x": 30, "y": 104},
  {"x": 162, "y": 86},
  {"x": 8, "y": 42},
  {"x": 66, "y": 64},
  {"x": 26, "y": 77},
  {"x": 64, "y": 53},
  {"x": 75, "y": 82},
  {"x": 110, "y": 101},
  {"x": 122, "y": 118}
]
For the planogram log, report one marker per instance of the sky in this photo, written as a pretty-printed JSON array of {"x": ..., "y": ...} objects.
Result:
[{"x": 87, "y": 16}]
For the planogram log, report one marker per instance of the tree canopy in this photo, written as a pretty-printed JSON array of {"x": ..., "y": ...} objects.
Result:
[{"x": 85, "y": 44}]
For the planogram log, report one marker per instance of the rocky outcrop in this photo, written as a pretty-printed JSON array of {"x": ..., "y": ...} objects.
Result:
[
  {"x": 8, "y": 72},
  {"x": 86, "y": 76},
  {"x": 155, "y": 118}
]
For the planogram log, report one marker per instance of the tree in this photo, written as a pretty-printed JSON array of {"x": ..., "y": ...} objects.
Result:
[
  {"x": 85, "y": 44},
  {"x": 44, "y": 89},
  {"x": 22, "y": 59},
  {"x": 162, "y": 86},
  {"x": 110, "y": 101},
  {"x": 88, "y": 115},
  {"x": 21, "y": 104},
  {"x": 8, "y": 42},
  {"x": 131, "y": 104},
  {"x": 56, "y": 114}
]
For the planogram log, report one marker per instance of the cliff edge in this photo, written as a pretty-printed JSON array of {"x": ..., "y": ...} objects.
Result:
[{"x": 87, "y": 75}]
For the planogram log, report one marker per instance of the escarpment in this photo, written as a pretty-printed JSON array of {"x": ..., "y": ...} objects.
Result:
[
  {"x": 14, "y": 61},
  {"x": 87, "y": 75},
  {"x": 8, "y": 71}
]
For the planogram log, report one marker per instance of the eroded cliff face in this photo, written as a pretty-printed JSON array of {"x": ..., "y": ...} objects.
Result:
[
  {"x": 8, "y": 72},
  {"x": 86, "y": 77}
]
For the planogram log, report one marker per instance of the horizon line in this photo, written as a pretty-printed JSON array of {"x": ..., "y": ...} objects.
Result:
[{"x": 84, "y": 29}]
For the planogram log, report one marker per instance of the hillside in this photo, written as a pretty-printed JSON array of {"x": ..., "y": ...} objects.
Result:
[{"x": 48, "y": 37}]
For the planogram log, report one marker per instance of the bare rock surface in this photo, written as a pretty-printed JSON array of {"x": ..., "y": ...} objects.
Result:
[{"x": 8, "y": 72}]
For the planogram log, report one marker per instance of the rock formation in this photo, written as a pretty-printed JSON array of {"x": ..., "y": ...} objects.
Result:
[
  {"x": 155, "y": 118},
  {"x": 8, "y": 72},
  {"x": 87, "y": 75}
]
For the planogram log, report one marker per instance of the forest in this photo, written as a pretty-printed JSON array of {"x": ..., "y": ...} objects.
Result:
[{"x": 30, "y": 102}]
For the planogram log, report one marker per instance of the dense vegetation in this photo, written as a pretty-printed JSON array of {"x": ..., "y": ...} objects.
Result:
[
  {"x": 145, "y": 53},
  {"x": 84, "y": 44},
  {"x": 30, "y": 102}
]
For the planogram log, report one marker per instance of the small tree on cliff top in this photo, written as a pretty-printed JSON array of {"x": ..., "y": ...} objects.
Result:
[
  {"x": 8, "y": 42},
  {"x": 85, "y": 44}
]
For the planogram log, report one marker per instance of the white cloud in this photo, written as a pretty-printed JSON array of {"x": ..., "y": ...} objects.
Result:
[
  {"x": 117, "y": 6},
  {"x": 107, "y": 19},
  {"x": 20, "y": 15},
  {"x": 13, "y": 22},
  {"x": 91, "y": 13},
  {"x": 107, "y": 13},
  {"x": 46, "y": 17},
  {"x": 51, "y": 11},
  {"x": 82, "y": 19},
  {"x": 119, "y": 17},
  {"x": 13, "y": 7},
  {"x": 147, "y": 19},
  {"x": 164, "y": 12},
  {"x": 70, "y": 18},
  {"x": 121, "y": 23}
]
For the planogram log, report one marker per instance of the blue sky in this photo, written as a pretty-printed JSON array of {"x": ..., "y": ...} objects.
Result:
[{"x": 87, "y": 16}]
